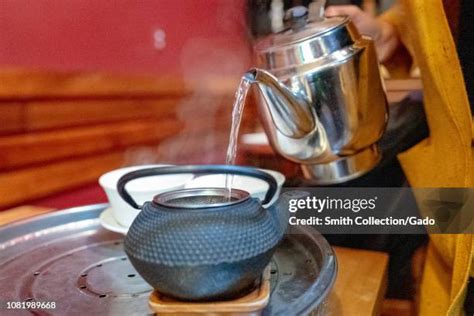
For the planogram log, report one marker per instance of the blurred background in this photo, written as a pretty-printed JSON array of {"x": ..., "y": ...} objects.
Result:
[{"x": 90, "y": 86}]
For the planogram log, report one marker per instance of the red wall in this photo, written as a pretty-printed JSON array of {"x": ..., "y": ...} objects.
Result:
[{"x": 117, "y": 35}]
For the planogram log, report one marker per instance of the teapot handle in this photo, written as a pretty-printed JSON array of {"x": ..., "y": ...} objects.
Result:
[{"x": 196, "y": 169}]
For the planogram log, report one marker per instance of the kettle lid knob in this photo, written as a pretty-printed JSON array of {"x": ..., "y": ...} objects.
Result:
[{"x": 296, "y": 18}]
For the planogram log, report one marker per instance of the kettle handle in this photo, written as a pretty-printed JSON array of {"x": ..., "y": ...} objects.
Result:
[{"x": 196, "y": 169}]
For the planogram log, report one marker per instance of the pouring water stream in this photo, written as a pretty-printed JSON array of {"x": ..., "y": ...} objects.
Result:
[{"x": 237, "y": 110}]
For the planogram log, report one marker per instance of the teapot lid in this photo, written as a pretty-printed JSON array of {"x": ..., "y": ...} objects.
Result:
[{"x": 200, "y": 198}]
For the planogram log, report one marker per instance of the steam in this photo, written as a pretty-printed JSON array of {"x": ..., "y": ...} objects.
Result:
[{"x": 211, "y": 69}]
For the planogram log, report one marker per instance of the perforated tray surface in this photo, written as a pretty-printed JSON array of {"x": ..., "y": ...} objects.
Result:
[{"x": 68, "y": 258}]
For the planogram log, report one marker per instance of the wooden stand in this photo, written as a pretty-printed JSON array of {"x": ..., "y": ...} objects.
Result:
[{"x": 249, "y": 305}]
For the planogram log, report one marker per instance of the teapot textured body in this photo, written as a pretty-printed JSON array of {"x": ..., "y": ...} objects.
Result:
[
  {"x": 321, "y": 98},
  {"x": 199, "y": 244}
]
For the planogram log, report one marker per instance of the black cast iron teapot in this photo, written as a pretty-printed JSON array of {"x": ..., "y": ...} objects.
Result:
[{"x": 199, "y": 244}]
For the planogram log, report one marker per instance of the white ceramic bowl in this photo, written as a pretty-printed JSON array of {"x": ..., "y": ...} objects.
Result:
[
  {"x": 256, "y": 187},
  {"x": 142, "y": 190}
]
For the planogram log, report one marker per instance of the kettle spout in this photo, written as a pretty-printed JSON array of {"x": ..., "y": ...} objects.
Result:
[{"x": 279, "y": 107}]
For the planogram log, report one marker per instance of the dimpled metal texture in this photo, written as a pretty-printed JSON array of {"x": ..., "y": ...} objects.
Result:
[
  {"x": 180, "y": 237},
  {"x": 58, "y": 248}
]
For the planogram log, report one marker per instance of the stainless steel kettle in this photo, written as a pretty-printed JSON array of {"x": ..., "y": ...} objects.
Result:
[{"x": 321, "y": 97}]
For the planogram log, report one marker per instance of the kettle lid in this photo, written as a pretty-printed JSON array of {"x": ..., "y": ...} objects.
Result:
[
  {"x": 294, "y": 35},
  {"x": 305, "y": 39}
]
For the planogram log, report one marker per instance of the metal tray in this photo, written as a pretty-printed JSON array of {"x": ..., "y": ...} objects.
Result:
[{"x": 66, "y": 257}]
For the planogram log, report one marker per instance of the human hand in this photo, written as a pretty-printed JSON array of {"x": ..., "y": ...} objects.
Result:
[{"x": 383, "y": 33}]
